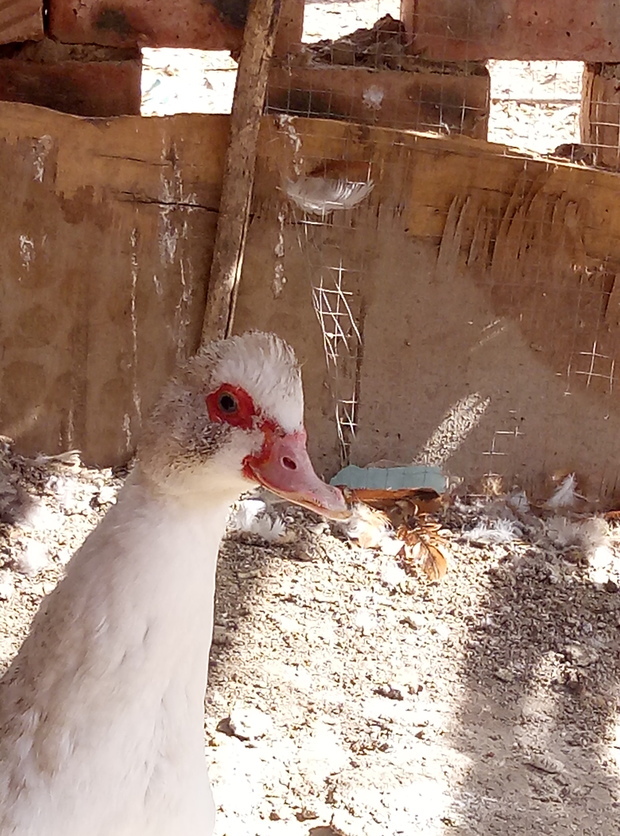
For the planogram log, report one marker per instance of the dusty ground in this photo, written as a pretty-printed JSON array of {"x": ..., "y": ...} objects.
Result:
[{"x": 346, "y": 697}]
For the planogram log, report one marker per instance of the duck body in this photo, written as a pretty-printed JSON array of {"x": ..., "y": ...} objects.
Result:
[
  {"x": 107, "y": 738},
  {"x": 102, "y": 710}
]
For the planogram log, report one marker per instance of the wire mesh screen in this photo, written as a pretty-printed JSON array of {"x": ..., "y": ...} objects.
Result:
[
  {"x": 336, "y": 266},
  {"x": 518, "y": 244}
]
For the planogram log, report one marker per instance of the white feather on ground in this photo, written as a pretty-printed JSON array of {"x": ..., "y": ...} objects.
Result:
[
  {"x": 250, "y": 517},
  {"x": 31, "y": 558},
  {"x": 593, "y": 536},
  {"x": 494, "y": 531},
  {"x": 565, "y": 495}
]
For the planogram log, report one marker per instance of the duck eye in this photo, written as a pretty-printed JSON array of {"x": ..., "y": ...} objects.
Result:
[{"x": 228, "y": 403}]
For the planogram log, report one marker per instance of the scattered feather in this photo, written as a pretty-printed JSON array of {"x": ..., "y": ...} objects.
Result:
[
  {"x": 31, "y": 557},
  {"x": 565, "y": 495},
  {"x": 592, "y": 536},
  {"x": 519, "y": 502},
  {"x": 595, "y": 534},
  {"x": 244, "y": 514},
  {"x": 367, "y": 527},
  {"x": 494, "y": 532},
  {"x": 71, "y": 458},
  {"x": 250, "y": 517},
  {"x": 39, "y": 516},
  {"x": 424, "y": 546},
  {"x": 271, "y": 530},
  {"x": 7, "y": 585},
  {"x": 390, "y": 545},
  {"x": 562, "y": 532},
  {"x": 392, "y": 575}
]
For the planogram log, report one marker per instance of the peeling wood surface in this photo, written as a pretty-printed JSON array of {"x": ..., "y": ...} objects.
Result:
[
  {"x": 104, "y": 255},
  {"x": 460, "y": 30},
  {"x": 290, "y": 28},
  {"x": 21, "y": 20}
]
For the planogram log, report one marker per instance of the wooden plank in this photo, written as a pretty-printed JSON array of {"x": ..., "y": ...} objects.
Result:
[
  {"x": 290, "y": 28},
  {"x": 600, "y": 114},
  {"x": 85, "y": 88},
  {"x": 258, "y": 42},
  {"x": 154, "y": 23},
  {"x": 21, "y": 20},
  {"x": 475, "y": 30},
  {"x": 103, "y": 258},
  {"x": 484, "y": 283},
  {"x": 422, "y": 100}
]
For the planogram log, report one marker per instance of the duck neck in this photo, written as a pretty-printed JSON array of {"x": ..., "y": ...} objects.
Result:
[{"x": 126, "y": 635}]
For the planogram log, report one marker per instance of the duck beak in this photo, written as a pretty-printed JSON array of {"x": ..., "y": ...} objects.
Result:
[{"x": 284, "y": 467}]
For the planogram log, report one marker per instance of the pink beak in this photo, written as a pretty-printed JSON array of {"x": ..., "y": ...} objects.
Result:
[{"x": 284, "y": 467}]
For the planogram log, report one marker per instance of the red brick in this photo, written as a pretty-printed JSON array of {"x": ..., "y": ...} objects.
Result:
[
  {"x": 461, "y": 30},
  {"x": 156, "y": 23},
  {"x": 21, "y": 20}
]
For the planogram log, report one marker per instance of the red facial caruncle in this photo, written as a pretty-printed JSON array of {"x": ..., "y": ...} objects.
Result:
[
  {"x": 282, "y": 464},
  {"x": 232, "y": 405}
]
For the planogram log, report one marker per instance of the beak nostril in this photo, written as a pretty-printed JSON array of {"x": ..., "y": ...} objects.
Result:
[{"x": 288, "y": 463}]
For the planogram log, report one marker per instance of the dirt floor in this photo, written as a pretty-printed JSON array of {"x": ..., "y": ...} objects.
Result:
[{"x": 348, "y": 698}]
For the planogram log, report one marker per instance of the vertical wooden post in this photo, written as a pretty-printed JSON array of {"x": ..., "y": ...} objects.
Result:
[
  {"x": 600, "y": 114},
  {"x": 256, "y": 52},
  {"x": 290, "y": 28}
]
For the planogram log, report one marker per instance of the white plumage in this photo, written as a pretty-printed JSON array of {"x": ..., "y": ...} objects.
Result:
[{"x": 101, "y": 712}]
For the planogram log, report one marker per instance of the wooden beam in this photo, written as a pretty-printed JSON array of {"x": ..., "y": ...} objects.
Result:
[
  {"x": 256, "y": 52},
  {"x": 423, "y": 99},
  {"x": 290, "y": 28},
  {"x": 475, "y": 30}
]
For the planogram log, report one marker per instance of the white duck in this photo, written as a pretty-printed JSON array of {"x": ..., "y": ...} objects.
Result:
[{"x": 101, "y": 712}]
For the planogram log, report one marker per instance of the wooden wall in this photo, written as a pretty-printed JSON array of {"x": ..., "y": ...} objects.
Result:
[
  {"x": 485, "y": 286},
  {"x": 107, "y": 235}
]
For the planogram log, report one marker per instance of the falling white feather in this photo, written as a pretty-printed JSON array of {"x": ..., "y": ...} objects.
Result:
[{"x": 323, "y": 195}]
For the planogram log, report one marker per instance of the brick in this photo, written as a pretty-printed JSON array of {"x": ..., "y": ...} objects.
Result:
[
  {"x": 154, "y": 23},
  {"x": 461, "y": 30}
]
